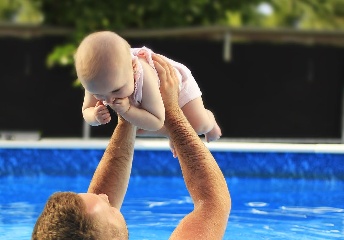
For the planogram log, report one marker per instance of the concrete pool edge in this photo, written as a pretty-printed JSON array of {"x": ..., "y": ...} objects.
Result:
[{"x": 162, "y": 144}]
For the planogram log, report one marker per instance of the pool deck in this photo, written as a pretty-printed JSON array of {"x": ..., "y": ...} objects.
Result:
[{"x": 327, "y": 146}]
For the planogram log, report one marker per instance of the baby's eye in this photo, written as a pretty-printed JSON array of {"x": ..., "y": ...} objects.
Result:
[{"x": 116, "y": 91}]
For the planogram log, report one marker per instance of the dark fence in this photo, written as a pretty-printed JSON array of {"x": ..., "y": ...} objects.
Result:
[{"x": 266, "y": 91}]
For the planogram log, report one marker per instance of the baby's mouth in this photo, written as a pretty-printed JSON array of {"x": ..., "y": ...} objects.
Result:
[{"x": 109, "y": 103}]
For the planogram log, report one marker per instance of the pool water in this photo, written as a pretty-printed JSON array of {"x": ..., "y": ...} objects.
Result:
[{"x": 266, "y": 207}]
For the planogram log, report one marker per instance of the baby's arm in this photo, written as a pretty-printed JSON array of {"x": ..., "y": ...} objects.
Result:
[
  {"x": 94, "y": 111},
  {"x": 151, "y": 115}
]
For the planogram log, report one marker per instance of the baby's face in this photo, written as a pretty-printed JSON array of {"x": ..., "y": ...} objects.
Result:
[{"x": 112, "y": 84}]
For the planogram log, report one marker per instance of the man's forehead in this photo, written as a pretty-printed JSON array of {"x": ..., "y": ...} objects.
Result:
[{"x": 91, "y": 201}]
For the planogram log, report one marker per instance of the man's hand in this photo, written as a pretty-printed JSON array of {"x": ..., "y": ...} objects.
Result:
[
  {"x": 169, "y": 87},
  {"x": 101, "y": 113},
  {"x": 169, "y": 83}
]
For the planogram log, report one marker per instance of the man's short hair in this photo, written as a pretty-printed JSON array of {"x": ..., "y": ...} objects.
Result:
[{"x": 65, "y": 217}]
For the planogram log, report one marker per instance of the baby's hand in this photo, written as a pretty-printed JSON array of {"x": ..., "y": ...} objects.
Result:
[
  {"x": 101, "y": 113},
  {"x": 121, "y": 105}
]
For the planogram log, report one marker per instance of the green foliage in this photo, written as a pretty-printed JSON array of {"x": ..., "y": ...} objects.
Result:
[
  {"x": 8, "y": 8},
  {"x": 85, "y": 16},
  {"x": 62, "y": 55},
  {"x": 20, "y": 11},
  {"x": 308, "y": 14}
]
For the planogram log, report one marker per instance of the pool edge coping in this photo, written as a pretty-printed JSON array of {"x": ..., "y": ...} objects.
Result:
[{"x": 163, "y": 144}]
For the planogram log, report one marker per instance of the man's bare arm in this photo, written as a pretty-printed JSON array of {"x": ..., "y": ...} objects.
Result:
[
  {"x": 202, "y": 175},
  {"x": 112, "y": 174}
]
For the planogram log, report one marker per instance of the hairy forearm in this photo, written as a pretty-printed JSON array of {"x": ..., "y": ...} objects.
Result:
[
  {"x": 202, "y": 175},
  {"x": 143, "y": 119},
  {"x": 88, "y": 114},
  {"x": 112, "y": 174}
]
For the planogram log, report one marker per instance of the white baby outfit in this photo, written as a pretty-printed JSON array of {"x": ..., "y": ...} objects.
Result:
[{"x": 189, "y": 89}]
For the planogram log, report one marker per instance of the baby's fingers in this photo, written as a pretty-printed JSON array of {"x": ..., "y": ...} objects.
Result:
[
  {"x": 104, "y": 117},
  {"x": 101, "y": 108},
  {"x": 99, "y": 103}
]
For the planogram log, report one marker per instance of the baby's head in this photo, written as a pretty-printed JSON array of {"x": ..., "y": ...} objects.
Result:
[{"x": 103, "y": 64}]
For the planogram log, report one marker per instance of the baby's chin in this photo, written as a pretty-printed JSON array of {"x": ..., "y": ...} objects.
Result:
[{"x": 105, "y": 103}]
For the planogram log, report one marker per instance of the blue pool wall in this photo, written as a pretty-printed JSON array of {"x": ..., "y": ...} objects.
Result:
[{"x": 16, "y": 160}]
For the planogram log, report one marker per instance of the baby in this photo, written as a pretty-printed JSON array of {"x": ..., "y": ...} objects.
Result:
[{"x": 114, "y": 74}]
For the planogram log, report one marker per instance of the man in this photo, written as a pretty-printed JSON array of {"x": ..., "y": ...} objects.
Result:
[{"x": 96, "y": 214}]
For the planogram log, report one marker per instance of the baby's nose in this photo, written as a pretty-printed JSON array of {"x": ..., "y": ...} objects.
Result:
[{"x": 110, "y": 99}]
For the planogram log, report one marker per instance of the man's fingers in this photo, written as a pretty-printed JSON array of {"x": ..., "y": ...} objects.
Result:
[
  {"x": 161, "y": 71},
  {"x": 158, "y": 58},
  {"x": 171, "y": 70},
  {"x": 161, "y": 63},
  {"x": 163, "y": 67}
]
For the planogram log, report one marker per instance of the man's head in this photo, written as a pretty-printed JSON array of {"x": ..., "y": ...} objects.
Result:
[
  {"x": 104, "y": 66},
  {"x": 68, "y": 215}
]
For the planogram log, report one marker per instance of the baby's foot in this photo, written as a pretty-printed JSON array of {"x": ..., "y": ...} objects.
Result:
[
  {"x": 174, "y": 153},
  {"x": 214, "y": 134}
]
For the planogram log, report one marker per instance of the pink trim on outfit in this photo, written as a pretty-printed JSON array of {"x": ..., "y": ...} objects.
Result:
[{"x": 189, "y": 89}]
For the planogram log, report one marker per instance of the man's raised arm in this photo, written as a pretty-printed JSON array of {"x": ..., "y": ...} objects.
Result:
[
  {"x": 113, "y": 172},
  {"x": 202, "y": 175}
]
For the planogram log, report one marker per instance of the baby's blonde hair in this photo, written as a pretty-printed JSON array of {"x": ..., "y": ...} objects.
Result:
[{"x": 98, "y": 51}]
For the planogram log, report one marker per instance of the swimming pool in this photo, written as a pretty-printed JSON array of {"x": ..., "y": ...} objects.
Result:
[{"x": 279, "y": 191}]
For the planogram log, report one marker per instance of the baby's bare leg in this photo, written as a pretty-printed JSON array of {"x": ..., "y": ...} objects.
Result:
[
  {"x": 160, "y": 133},
  {"x": 202, "y": 120}
]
